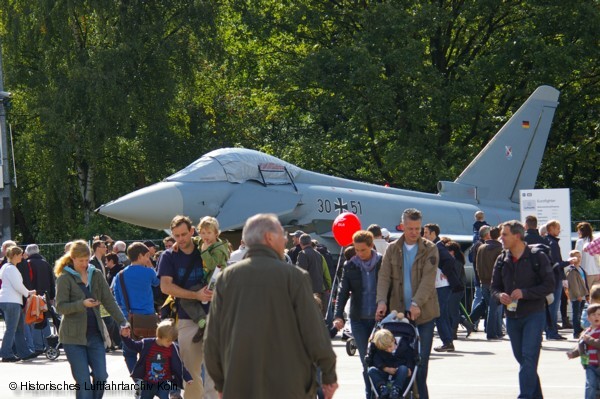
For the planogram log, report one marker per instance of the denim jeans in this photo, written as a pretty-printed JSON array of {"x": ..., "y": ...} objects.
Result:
[
  {"x": 443, "y": 322},
  {"x": 526, "y": 341},
  {"x": 478, "y": 310},
  {"x": 551, "y": 330},
  {"x": 380, "y": 377},
  {"x": 577, "y": 309},
  {"x": 585, "y": 323},
  {"x": 320, "y": 394},
  {"x": 161, "y": 390},
  {"x": 15, "y": 331},
  {"x": 28, "y": 336},
  {"x": 426, "y": 338},
  {"x": 477, "y": 296},
  {"x": 454, "y": 310},
  {"x": 131, "y": 358},
  {"x": 592, "y": 381},
  {"x": 82, "y": 358},
  {"x": 361, "y": 330},
  {"x": 39, "y": 336},
  {"x": 493, "y": 325}
]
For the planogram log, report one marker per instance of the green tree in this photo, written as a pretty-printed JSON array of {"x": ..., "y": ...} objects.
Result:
[
  {"x": 113, "y": 95},
  {"x": 100, "y": 101}
]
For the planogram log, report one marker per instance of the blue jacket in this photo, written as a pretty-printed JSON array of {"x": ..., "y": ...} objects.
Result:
[
  {"x": 139, "y": 281},
  {"x": 179, "y": 372}
]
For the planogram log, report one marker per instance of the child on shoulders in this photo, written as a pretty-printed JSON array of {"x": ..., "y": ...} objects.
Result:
[
  {"x": 479, "y": 223},
  {"x": 214, "y": 251}
]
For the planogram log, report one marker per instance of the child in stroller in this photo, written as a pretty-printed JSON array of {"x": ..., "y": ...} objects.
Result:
[{"x": 392, "y": 358}]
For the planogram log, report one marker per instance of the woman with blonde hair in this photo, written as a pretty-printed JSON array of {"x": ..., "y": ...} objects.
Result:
[
  {"x": 11, "y": 302},
  {"x": 80, "y": 289}
]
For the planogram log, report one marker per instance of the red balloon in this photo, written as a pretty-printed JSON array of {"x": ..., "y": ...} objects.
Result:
[{"x": 344, "y": 226}]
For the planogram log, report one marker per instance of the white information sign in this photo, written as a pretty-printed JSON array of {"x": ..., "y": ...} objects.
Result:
[{"x": 549, "y": 204}]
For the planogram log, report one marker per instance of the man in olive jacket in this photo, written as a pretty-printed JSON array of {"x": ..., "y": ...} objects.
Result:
[
  {"x": 414, "y": 260},
  {"x": 265, "y": 335}
]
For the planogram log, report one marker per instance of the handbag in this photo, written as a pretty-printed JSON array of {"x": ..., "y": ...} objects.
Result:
[
  {"x": 142, "y": 325},
  {"x": 168, "y": 310},
  {"x": 34, "y": 309}
]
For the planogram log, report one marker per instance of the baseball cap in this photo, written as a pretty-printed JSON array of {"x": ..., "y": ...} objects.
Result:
[{"x": 297, "y": 233}]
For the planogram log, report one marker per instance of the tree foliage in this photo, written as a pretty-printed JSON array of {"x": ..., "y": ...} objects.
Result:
[{"x": 112, "y": 95}]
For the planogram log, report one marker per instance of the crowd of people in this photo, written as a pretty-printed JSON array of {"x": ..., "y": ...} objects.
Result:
[{"x": 212, "y": 342}]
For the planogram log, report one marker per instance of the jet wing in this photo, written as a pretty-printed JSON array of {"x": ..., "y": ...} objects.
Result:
[{"x": 253, "y": 198}]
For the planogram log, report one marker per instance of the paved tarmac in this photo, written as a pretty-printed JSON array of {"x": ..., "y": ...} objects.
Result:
[{"x": 477, "y": 369}]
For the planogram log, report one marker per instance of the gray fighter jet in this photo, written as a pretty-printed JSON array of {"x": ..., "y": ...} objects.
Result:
[{"x": 233, "y": 184}]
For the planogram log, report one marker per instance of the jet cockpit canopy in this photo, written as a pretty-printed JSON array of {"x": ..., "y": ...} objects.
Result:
[{"x": 237, "y": 165}]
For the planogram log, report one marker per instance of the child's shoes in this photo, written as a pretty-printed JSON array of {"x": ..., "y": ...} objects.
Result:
[
  {"x": 395, "y": 393},
  {"x": 384, "y": 392}
]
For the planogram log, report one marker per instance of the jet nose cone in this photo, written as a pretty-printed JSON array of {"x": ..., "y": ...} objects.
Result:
[{"x": 153, "y": 207}]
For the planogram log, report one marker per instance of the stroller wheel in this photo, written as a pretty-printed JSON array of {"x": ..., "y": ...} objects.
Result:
[
  {"x": 351, "y": 347},
  {"x": 52, "y": 353}
]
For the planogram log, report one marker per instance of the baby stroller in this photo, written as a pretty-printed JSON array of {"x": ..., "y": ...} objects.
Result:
[
  {"x": 52, "y": 351},
  {"x": 407, "y": 340}
]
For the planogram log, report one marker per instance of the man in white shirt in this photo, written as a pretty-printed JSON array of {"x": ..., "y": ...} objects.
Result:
[
  {"x": 99, "y": 249},
  {"x": 381, "y": 244},
  {"x": 238, "y": 254}
]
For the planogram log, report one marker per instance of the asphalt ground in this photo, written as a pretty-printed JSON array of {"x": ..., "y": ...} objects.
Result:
[{"x": 477, "y": 369}]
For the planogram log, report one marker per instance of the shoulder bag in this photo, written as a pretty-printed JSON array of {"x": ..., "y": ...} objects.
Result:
[
  {"x": 168, "y": 310},
  {"x": 142, "y": 325}
]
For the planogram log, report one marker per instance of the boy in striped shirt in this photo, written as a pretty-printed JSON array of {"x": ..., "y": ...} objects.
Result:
[
  {"x": 587, "y": 349},
  {"x": 159, "y": 370}
]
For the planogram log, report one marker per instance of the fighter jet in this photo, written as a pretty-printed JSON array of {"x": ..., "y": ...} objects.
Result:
[{"x": 233, "y": 184}]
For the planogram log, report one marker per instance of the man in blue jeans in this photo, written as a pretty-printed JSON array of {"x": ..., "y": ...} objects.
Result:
[
  {"x": 447, "y": 282},
  {"x": 41, "y": 275},
  {"x": 516, "y": 284},
  {"x": 486, "y": 259},
  {"x": 407, "y": 278},
  {"x": 139, "y": 278}
]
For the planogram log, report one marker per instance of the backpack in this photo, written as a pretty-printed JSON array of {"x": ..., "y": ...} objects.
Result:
[
  {"x": 536, "y": 249},
  {"x": 322, "y": 249}
]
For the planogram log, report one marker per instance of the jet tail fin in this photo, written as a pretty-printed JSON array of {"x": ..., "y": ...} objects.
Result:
[{"x": 511, "y": 160}]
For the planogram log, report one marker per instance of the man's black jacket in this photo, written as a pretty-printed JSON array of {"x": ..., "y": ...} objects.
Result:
[
  {"x": 38, "y": 275},
  {"x": 446, "y": 265}
]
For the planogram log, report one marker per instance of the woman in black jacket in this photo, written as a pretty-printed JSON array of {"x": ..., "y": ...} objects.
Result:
[{"x": 359, "y": 278}]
